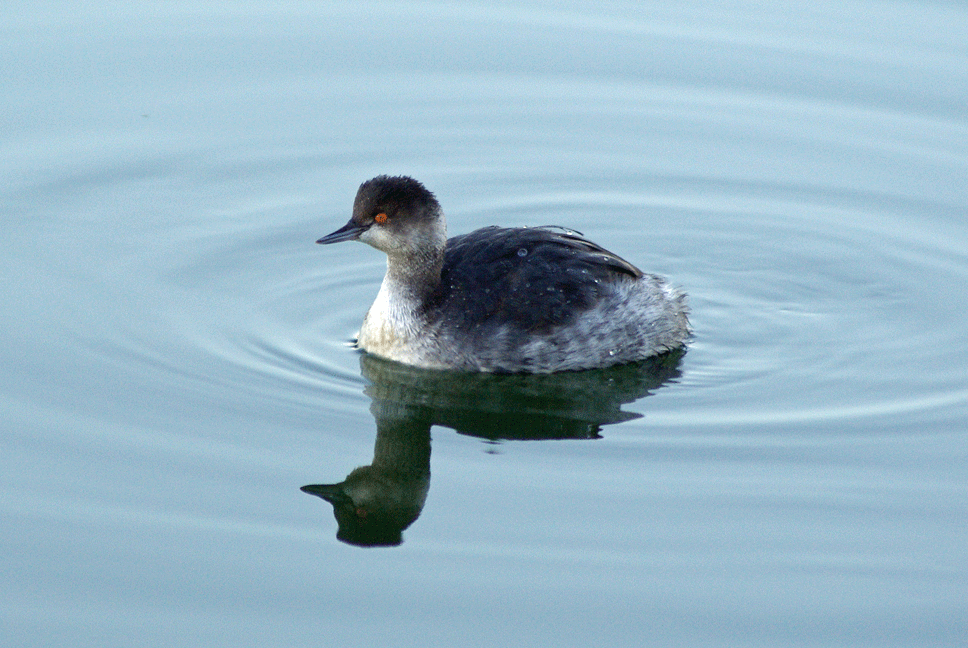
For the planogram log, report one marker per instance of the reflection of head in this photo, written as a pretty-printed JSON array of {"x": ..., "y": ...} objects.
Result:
[
  {"x": 375, "y": 503},
  {"x": 372, "y": 506}
]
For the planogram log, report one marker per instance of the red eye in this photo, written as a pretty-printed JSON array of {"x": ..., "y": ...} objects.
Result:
[{"x": 381, "y": 218}]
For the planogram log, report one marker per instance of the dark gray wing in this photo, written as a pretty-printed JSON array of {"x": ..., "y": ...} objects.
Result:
[{"x": 532, "y": 279}]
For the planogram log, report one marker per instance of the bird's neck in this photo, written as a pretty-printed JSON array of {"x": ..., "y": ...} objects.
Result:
[{"x": 413, "y": 277}]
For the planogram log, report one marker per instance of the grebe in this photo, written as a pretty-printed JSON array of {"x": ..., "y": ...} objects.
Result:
[{"x": 521, "y": 299}]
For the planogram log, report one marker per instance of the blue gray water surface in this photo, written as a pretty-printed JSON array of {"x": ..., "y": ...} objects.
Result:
[{"x": 175, "y": 359}]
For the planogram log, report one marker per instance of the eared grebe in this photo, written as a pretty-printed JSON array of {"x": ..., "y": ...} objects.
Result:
[{"x": 522, "y": 299}]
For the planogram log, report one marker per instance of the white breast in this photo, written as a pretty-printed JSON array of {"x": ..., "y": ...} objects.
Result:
[{"x": 390, "y": 326}]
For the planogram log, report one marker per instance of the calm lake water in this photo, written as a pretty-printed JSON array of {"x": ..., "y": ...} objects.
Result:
[{"x": 175, "y": 349}]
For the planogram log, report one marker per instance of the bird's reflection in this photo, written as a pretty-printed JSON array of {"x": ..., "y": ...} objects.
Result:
[{"x": 375, "y": 503}]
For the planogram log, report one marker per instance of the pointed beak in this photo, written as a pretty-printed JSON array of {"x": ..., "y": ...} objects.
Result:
[
  {"x": 349, "y": 232},
  {"x": 332, "y": 493}
]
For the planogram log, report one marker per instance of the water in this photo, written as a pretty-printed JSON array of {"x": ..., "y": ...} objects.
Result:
[{"x": 175, "y": 348}]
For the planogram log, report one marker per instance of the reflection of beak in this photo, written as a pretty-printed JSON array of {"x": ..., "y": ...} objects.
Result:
[
  {"x": 332, "y": 493},
  {"x": 349, "y": 232}
]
